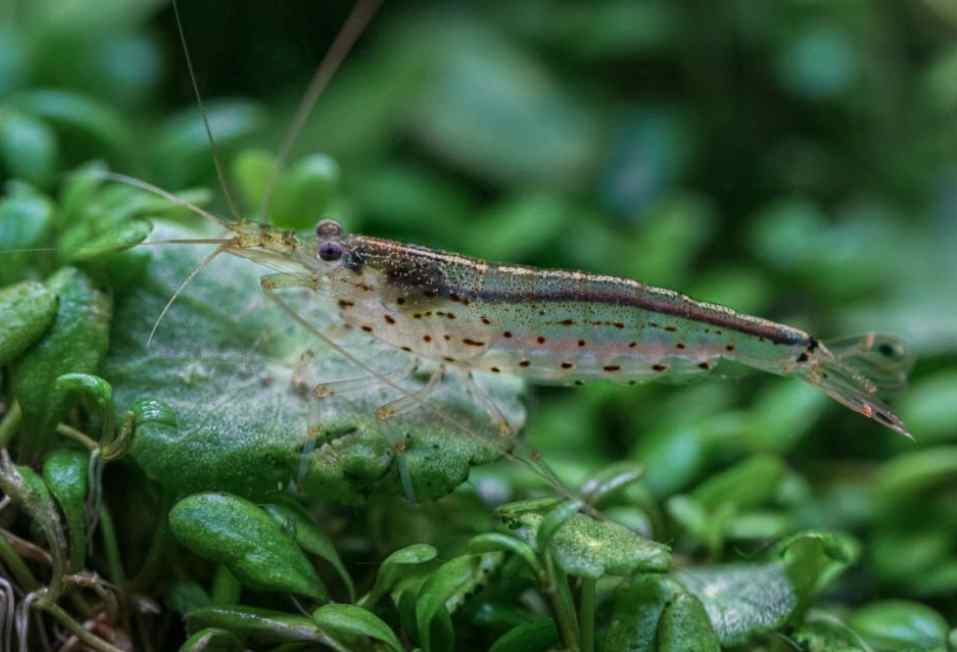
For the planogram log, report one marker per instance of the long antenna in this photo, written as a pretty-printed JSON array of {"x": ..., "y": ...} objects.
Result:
[
  {"x": 361, "y": 14},
  {"x": 217, "y": 160}
]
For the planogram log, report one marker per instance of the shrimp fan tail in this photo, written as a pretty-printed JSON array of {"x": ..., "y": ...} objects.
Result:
[{"x": 861, "y": 373}]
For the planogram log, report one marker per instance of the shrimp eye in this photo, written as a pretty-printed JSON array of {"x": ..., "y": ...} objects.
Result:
[
  {"x": 330, "y": 251},
  {"x": 887, "y": 350},
  {"x": 328, "y": 229}
]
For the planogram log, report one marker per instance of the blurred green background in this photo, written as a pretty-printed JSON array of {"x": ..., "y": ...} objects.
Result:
[{"x": 793, "y": 159}]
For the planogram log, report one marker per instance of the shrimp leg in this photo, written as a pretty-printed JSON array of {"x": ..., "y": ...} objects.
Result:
[{"x": 279, "y": 280}]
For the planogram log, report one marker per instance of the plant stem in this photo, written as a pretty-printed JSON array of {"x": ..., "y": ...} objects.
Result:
[
  {"x": 86, "y": 636},
  {"x": 10, "y": 423},
  {"x": 562, "y": 603},
  {"x": 111, "y": 548},
  {"x": 20, "y": 571},
  {"x": 587, "y": 614},
  {"x": 76, "y": 435}
]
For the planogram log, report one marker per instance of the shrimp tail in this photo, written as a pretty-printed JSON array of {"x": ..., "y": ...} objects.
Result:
[{"x": 861, "y": 373}]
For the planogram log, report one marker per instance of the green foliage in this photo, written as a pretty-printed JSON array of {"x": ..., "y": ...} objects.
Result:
[{"x": 791, "y": 159}]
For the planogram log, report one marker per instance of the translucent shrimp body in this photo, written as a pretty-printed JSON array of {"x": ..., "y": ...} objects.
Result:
[{"x": 570, "y": 327}]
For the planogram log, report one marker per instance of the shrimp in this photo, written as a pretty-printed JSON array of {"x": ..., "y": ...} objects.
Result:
[
  {"x": 461, "y": 315},
  {"x": 567, "y": 327}
]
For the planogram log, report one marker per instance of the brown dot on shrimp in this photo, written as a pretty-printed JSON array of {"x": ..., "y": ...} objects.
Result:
[
  {"x": 472, "y": 342},
  {"x": 524, "y": 363},
  {"x": 618, "y": 325},
  {"x": 581, "y": 342},
  {"x": 427, "y": 338},
  {"x": 567, "y": 365},
  {"x": 803, "y": 357},
  {"x": 507, "y": 334},
  {"x": 632, "y": 345},
  {"x": 703, "y": 365},
  {"x": 541, "y": 339},
  {"x": 729, "y": 348},
  {"x": 680, "y": 346},
  {"x": 495, "y": 370},
  {"x": 389, "y": 319},
  {"x": 486, "y": 321},
  {"x": 367, "y": 328},
  {"x": 400, "y": 301},
  {"x": 407, "y": 349},
  {"x": 611, "y": 367},
  {"x": 345, "y": 304},
  {"x": 659, "y": 367},
  {"x": 567, "y": 322}
]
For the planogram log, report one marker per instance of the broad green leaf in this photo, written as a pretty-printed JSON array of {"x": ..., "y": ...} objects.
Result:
[
  {"x": 395, "y": 567},
  {"x": 181, "y": 152},
  {"x": 684, "y": 627},
  {"x": 748, "y": 484},
  {"x": 538, "y": 136},
  {"x": 129, "y": 234},
  {"x": 237, "y": 374},
  {"x": 310, "y": 537},
  {"x": 639, "y": 603},
  {"x": 28, "y": 310},
  {"x": 895, "y": 624},
  {"x": 65, "y": 472},
  {"x": 235, "y": 532},
  {"x": 259, "y": 625},
  {"x": 28, "y": 148},
  {"x": 742, "y": 600},
  {"x": 26, "y": 220},
  {"x": 305, "y": 192},
  {"x": 537, "y": 636},
  {"x": 447, "y": 588},
  {"x": 497, "y": 542},
  {"x": 907, "y": 476},
  {"x": 928, "y": 408},
  {"x": 823, "y": 632},
  {"x": 95, "y": 124},
  {"x": 348, "y": 620},
  {"x": 212, "y": 639},
  {"x": 814, "y": 559},
  {"x": 587, "y": 547},
  {"x": 75, "y": 343}
]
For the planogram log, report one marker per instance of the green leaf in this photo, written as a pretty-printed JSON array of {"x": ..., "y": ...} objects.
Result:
[
  {"x": 397, "y": 566},
  {"x": 748, "y": 484},
  {"x": 310, "y": 537},
  {"x": 96, "y": 125},
  {"x": 895, "y": 624},
  {"x": 908, "y": 476},
  {"x": 28, "y": 148},
  {"x": 65, "y": 472},
  {"x": 305, "y": 192},
  {"x": 259, "y": 625},
  {"x": 497, "y": 542},
  {"x": 212, "y": 639},
  {"x": 814, "y": 559},
  {"x": 346, "y": 620},
  {"x": 587, "y": 547},
  {"x": 639, "y": 603},
  {"x": 235, "y": 532},
  {"x": 127, "y": 235},
  {"x": 684, "y": 627},
  {"x": 181, "y": 152},
  {"x": 537, "y": 636},
  {"x": 447, "y": 587},
  {"x": 26, "y": 220},
  {"x": 610, "y": 481},
  {"x": 76, "y": 343},
  {"x": 742, "y": 600},
  {"x": 28, "y": 310},
  {"x": 929, "y": 407}
]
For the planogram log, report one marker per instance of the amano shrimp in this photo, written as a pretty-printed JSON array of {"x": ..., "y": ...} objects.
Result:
[{"x": 466, "y": 315}]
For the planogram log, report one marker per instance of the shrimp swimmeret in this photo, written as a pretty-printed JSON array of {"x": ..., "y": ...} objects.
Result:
[{"x": 553, "y": 326}]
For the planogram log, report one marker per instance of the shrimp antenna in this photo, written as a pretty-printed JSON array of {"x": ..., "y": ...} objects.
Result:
[
  {"x": 214, "y": 148},
  {"x": 156, "y": 190},
  {"x": 362, "y": 13},
  {"x": 182, "y": 286}
]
